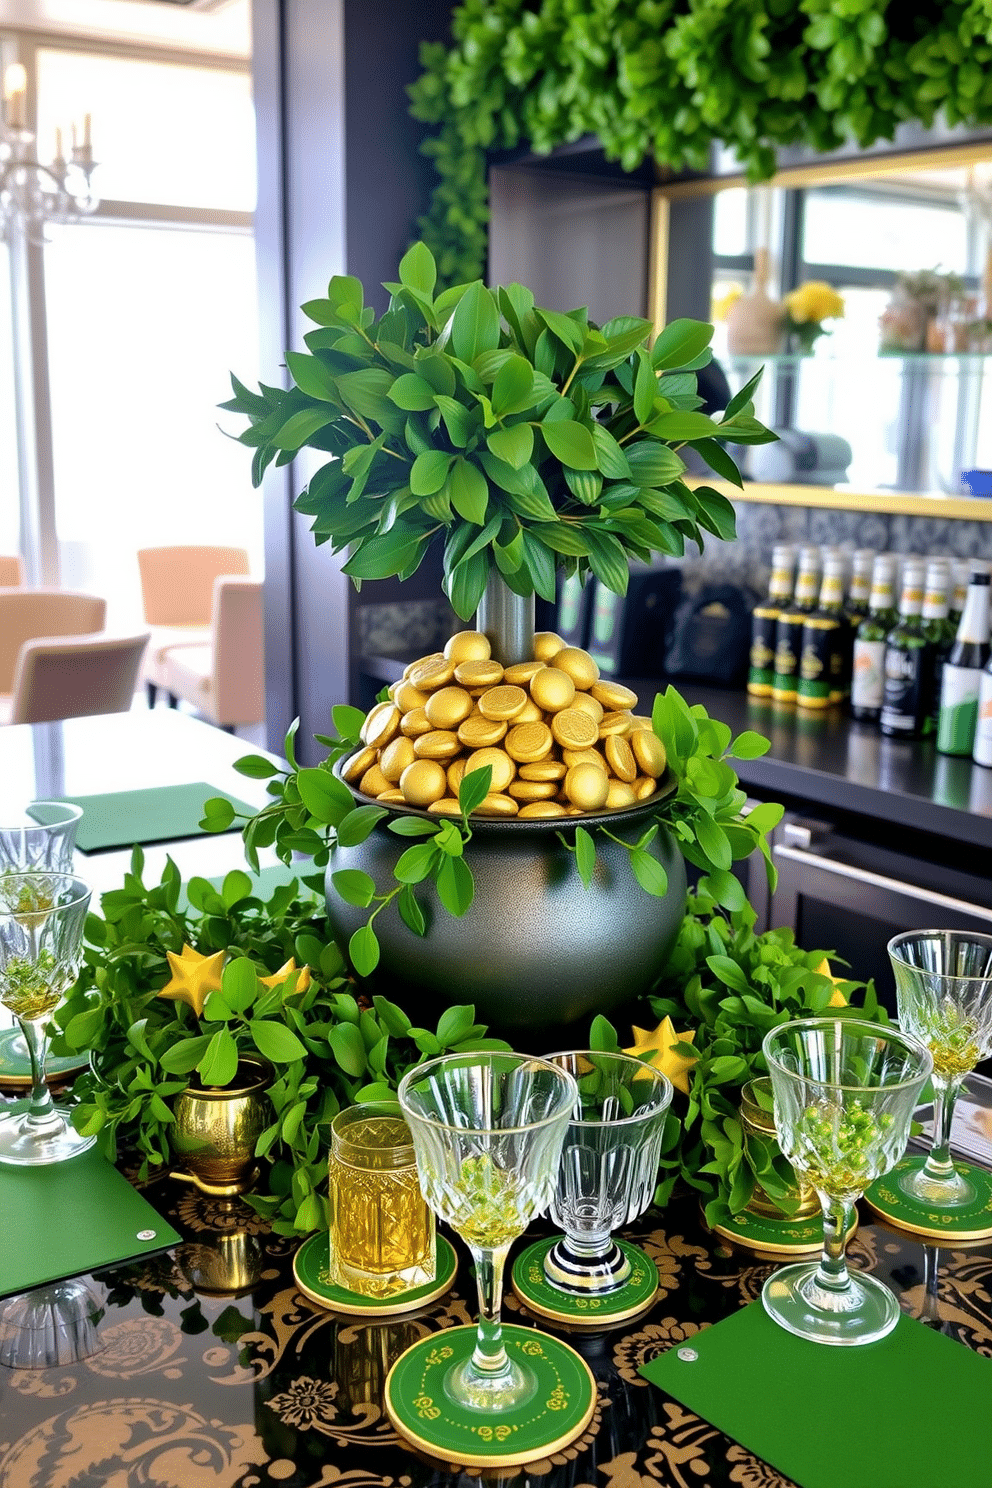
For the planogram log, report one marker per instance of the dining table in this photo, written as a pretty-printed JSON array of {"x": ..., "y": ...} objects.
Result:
[{"x": 204, "y": 1365}]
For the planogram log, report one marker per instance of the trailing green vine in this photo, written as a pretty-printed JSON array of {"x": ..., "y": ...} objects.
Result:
[{"x": 668, "y": 79}]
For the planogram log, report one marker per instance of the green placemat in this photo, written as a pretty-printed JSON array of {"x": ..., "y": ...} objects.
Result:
[
  {"x": 66, "y": 1218},
  {"x": 910, "y": 1411},
  {"x": 160, "y": 813}
]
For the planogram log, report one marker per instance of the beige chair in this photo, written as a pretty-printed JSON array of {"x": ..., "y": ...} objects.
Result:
[
  {"x": 26, "y": 614},
  {"x": 177, "y": 594},
  {"x": 11, "y": 570},
  {"x": 71, "y": 676},
  {"x": 225, "y": 680}
]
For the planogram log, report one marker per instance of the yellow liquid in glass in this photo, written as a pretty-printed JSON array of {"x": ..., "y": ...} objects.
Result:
[{"x": 382, "y": 1232}]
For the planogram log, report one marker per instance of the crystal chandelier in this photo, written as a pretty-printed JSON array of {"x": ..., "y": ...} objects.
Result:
[{"x": 33, "y": 193}]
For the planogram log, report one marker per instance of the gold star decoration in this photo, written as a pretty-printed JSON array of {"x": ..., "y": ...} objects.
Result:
[
  {"x": 193, "y": 977},
  {"x": 657, "y": 1048},
  {"x": 285, "y": 972},
  {"x": 838, "y": 999}
]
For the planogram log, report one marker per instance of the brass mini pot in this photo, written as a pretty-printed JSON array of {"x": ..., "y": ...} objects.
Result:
[
  {"x": 216, "y": 1128},
  {"x": 761, "y": 1123}
]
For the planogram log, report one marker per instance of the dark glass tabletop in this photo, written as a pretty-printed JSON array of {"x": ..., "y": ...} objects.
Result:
[{"x": 205, "y": 1367}]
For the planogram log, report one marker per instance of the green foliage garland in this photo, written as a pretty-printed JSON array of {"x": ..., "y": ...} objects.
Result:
[{"x": 667, "y": 79}]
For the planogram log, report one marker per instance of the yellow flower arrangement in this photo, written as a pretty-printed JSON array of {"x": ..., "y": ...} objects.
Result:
[
  {"x": 723, "y": 304},
  {"x": 814, "y": 301}
]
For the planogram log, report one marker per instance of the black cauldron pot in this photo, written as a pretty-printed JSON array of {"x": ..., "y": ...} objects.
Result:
[{"x": 536, "y": 951}]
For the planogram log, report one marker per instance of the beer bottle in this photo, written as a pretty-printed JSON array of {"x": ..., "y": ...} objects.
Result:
[
  {"x": 821, "y": 657},
  {"x": 868, "y": 678},
  {"x": 764, "y": 619},
  {"x": 982, "y": 752},
  {"x": 962, "y": 574},
  {"x": 859, "y": 593},
  {"x": 789, "y": 627},
  {"x": 938, "y": 632},
  {"x": 963, "y": 669},
  {"x": 907, "y": 654}
]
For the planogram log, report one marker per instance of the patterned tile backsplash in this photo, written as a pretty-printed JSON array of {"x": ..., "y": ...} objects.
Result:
[{"x": 761, "y": 526}]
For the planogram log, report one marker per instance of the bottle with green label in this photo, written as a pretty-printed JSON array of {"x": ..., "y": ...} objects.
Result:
[
  {"x": 907, "y": 658},
  {"x": 821, "y": 658},
  {"x": 960, "y": 685},
  {"x": 939, "y": 632},
  {"x": 789, "y": 627},
  {"x": 764, "y": 619},
  {"x": 868, "y": 674}
]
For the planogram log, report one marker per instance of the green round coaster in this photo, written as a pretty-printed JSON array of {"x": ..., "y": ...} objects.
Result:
[
  {"x": 793, "y": 1237},
  {"x": 15, "y": 1064},
  {"x": 423, "y": 1413},
  {"x": 582, "y": 1310},
  {"x": 310, "y": 1268},
  {"x": 971, "y": 1221}
]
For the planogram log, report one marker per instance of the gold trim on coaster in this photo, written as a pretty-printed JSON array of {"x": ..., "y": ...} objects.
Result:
[
  {"x": 925, "y": 1231},
  {"x": 764, "y": 1247},
  {"x": 597, "y": 1324},
  {"x": 375, "y": 1313}
]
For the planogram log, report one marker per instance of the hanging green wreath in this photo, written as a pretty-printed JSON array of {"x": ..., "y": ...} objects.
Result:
[{"x": 667, "y": 79}]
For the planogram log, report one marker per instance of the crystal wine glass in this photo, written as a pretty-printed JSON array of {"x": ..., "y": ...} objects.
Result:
[
  {"x": 609, "y": 1167},
  {"x": 41, "y": 935},
  {"x": 844, "y": 1096},
  {"x": 488, "y": 1130},
  {"x": 944, "y": 993}
]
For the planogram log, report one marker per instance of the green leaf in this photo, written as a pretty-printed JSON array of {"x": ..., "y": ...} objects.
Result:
[
  {"x": 358, "y": 824},
  {"x": 256, "y": 767},
  {"x": 236, "y": 886},
  {"x": 363, "y": 950},
  {"x": 354, "y": 886},
  {"x": 571, "y": 443},
  {"x": 275, "y": 1042},
  {"x": 514, "y": 445},
  {"x": 474, "y": 788},
  {"x": 418, "y": 269},
  {"x": 239, "y": 983},
  {"x": 466, "y": 585},
  {"x": 414, "y": 865},
  {"x": 726, "y": 889},
  {"x": 653, "y": 464},
  {"x": 345, "y": 1040},
  {"x": 611, "y": 459},
  {"x": 347, "y": 720},
  {"x": 475, "y": 323},
  {"x": 429, "y": 472},
  {"x": 645, "y": 388},
  {"x": 730, "y": 973},
  {"x": 380, "y": 557},
  {"x": 585, "y": 855},
  {"x": 367, "y": 393},
  {"x": 469, "y": 491},
  {"x": 455, "y": 886},
  {"x": 540, "y": 566},
  {"x": 219, "y": 1064},
  {"x": 410, "y": 911},
  {"x": 218, "y": 814},
  {"x": 717, "y": 512},
  {"x": 717, "y": 459},
  {"x": 749, "y": 745},
  {"x": 568, "y": 331},
  {"x": 713, "y": 841},
  {"x": 182, "y": 1058},
  {"x": 324, "y": 796},
  {"x": 513, "y": 389},
  {"x": 312, "y": 376},
  {"x": 742, "y": 399},
  {"x": 301, "y": 427},
  {"x": 679, "y": 425},
  {"x": 412, "y": 393},
  {"x": 607, "y": 559},
  {"x": 681, "y": 342},
  {"x": 649, "y": 873},
  {"x": 412, "y": 826}
]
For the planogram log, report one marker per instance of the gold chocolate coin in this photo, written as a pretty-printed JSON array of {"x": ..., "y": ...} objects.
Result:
[
  {"x": 502, "y": 702},
  {"x": 423, "y": 782},
  {"x": 448, "y": 707},
  {"x": 573, "y": 757},
  {"x": 498, "y": 805},
  {"x": 546, "y": 769},
  {"x": 455, "y": 772},
  {"x": 412, "y": 666},
  {"x": 614, "y": 696},
  {"x": 355, "y": 768},
  {"x": 614, "y": 723},
  {"x": 644, "y": 787},
  {"x": 415, "y": 722},
  {"x": 620, "y": 794},
  {"x": 638, "y": 721},
  {"x": 579, "y": 665},
  {"x": 432, "y": 673},
  {"x": 586, "y": 703},
  {"x": 620, "y": 758},
  {"x": 467, "y": 645},
  {"x": 447, "y": 806},
  {"x": 533, "y": 790},
  {"x": 521, "y": 672},
  {"x": 480, "y": 673},
  {"x": 391, "y": 797},
  {"x": 396, "y": 756},
  {"x": 547, "y": 644},
  {"x": 381, "y": 725},
  {"x": 373, "y": 782},
  {"x": 574, "y": 729},
  {"x": 552, "y": 689},
  {"x": 439, "y": 744},
  {"x": 499, "y": 762},
  {"x": 481, "y": 733},
  {"x": 649, "y": 752},
  {"x": 529, "y": 713},
  {"x": 535, "y": 810},
  {"x": 527, "y": 742},
  {"x": 407, "y": 696},
  {"x": 587, "y": 787}
]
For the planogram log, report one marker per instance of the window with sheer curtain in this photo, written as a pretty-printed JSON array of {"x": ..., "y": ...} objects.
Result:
[{"x": 149, "y": 304}]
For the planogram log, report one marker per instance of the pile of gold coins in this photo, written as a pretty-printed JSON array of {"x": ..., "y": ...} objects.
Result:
[{"x": 559, "y": 740}]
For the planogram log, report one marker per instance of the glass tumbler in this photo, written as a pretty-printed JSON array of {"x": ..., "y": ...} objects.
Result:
[{"x": 382, "y": 1232}]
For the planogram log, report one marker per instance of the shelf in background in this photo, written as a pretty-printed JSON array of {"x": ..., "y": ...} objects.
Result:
[{"x": 840, "y": 498}]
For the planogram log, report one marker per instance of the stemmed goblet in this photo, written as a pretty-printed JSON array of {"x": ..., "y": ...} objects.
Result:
[
  {"x": 487, "y": 1131},
  {"x": 844, "y": 1096},
  {"x": 944, "y": 994},
  {"x": 607, "y": 1177},
  {"x": 41, "y": 935}
]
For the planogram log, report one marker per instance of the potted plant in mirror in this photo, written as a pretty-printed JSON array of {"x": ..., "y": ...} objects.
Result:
[
  {"x": 180, "y": 1004},
  {"x": 526, "y": 442}
]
